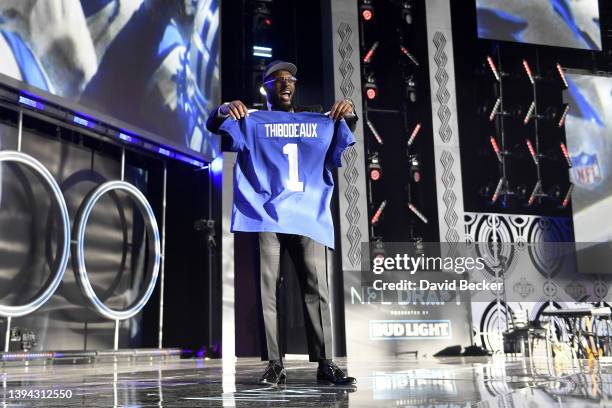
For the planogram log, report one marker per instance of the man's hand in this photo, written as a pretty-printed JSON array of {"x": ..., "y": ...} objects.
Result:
[
  {"x": 236, "y": 109},
  {"x": 340, "y": 109}
]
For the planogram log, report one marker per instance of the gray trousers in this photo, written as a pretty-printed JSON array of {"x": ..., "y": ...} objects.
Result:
[{"x": 308, "y": 257}]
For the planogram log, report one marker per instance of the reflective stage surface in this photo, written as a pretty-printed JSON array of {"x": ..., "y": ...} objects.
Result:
[{"x": 453, "y": 382}]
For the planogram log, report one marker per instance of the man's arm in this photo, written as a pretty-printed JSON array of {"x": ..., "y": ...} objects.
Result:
[{"x": 235, "y": 109}]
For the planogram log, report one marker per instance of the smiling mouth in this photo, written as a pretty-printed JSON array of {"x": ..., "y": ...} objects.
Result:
[{"x": 285, "y": 96}]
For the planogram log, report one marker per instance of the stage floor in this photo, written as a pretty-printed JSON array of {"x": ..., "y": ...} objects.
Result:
[{"x": 453, "y": 382}]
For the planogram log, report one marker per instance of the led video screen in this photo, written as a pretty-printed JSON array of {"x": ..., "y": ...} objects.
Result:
[
  {"x": 560, "y": 23},
  {"x": 589, "y": 142},
  {"x": 147, "y": 66}
]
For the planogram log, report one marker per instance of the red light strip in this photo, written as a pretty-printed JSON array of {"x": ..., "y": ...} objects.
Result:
[
  {"x": 563, "y": 116},
  {"x": 493, "y": 68},
  {"x": 498, "y": 190},
  {"x": 374, "y": 132},
  {"x": 409, "y": 55},
  {"x": 566, "y": 154},
  {"x": 414, "y": 134},
  {"x": 417, "y": 212},
  {"x": 496, "y": 148},
  {"x": 378, "y": 213},
  {"x": 370, "y": 53},
  {"x": 532, "y": 151},
  {"x": 562, "y": 75},
  {"x": 528, "y": 71},
  {"x": 534, "y": 193},
  {"x": 529, "y": 113},
  {"x": 495, "y": 108},
  {"x": 567, "y": 198}
]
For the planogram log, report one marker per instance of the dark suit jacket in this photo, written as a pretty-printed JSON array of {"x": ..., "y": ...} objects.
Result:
[{"x": 214, "y": 122}]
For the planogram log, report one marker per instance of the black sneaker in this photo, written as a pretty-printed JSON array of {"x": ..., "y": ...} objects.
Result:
[
  {"x": 329, "y": 372},
  {"x": 275, "y": 374}
]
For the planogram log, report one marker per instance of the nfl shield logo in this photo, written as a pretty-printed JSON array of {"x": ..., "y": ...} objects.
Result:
[{"x": 585, "y": 170}]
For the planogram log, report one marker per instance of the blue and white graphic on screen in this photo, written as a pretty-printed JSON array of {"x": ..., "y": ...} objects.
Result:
[{"x": 283, "y": 176}]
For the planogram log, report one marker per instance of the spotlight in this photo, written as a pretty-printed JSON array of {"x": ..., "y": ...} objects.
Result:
[
  {"x": 414, "y": 134},
  {"x": 374, "y": 167},
  {"x": 567, "y": 197},
  {"x": 374, "y": 132},
  {"x": 371, "y": 89},
  {"x": 411, "y": 57},
  {"x": 415, "y": 168},
  {"x": 562, "y": 75},
  {"x": 528, "y": 72},
  {"x": 493, "y": 68},
  {"x": 407, "y": 15},
  {"x": 367, "y": 11},
  {"x": 532, "y": 151},
  {"x": 417, "y": 213},
  {"x": 262, "y": 91},
  {"x": 411, "y": 88},
  {"x": 565, "y": 154},
  {"x": 370, "y": 53},
  {"x": 496, "y": 148},
  {"x": 378, "y": 213}
]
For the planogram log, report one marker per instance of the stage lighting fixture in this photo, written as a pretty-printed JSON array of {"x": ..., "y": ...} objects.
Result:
[
  {"x": 415, "y": 168},
  {"x": 261, "y": 51},
  {"x": 374, "y": 167},
  {"x": 262, "y": 16},
  {"x": 532, "y": 151},
  {"x": 498, "y": 190},
  {"x": 411, "y": 88},
  {"x": 374, "y": 132},
  {"x": 371, "y": 90},
  {"x": 378, "y": 213},
  {"x": 367, "y": 11},
  {"x": 370, "y": 53},
  {"x": 493, "y": 68},
  {"x": 562, "y": 75},
  {"x": 495, "y": 109},
  {"x": 529, "y": 72},
  {"x": 565, "y": 154},
  {"x": 561, "y": 122},
  {"x": 535, "y": 193},
  {"x": 411, "y": 57},
  {"x": 407, "y": 14},
  {"x": 529, "y": 114},
  {"x": 417, "y": 213},
  {"x": 568, "y": 195},
  {"x": 414, "y": 134},
  {"x": 496, "y": 149}
]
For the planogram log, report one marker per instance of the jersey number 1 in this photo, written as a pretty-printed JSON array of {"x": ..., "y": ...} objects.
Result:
[{"x": 293, "y": 183}]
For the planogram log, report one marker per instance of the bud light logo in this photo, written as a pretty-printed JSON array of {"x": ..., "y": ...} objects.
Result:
[{"x": 409, "y": 329}]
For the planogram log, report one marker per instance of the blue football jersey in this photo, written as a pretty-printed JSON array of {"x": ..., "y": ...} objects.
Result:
[{"x": 283, "y": 174}]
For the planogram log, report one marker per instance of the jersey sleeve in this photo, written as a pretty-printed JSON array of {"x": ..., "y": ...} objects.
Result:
[
  {"x": 234, "y": 130},
  {"x": 343, "y": 138}
]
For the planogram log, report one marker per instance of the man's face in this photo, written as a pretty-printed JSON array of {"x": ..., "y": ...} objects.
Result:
[{"x": 280, "y": 90}]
